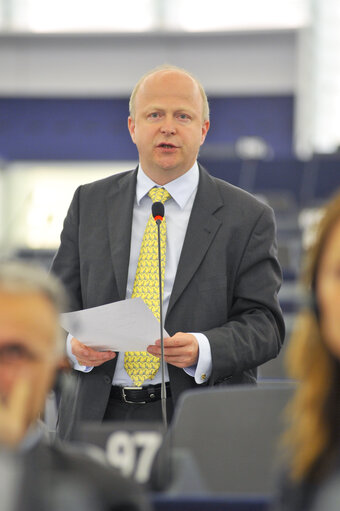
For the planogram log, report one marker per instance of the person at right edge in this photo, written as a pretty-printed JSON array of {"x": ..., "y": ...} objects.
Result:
[{"x": 311, "y": 477}]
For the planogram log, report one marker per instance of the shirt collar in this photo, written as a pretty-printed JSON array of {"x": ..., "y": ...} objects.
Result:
[{"x": 180, "y": 189}]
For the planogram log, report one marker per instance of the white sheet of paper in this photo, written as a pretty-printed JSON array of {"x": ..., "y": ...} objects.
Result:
[{"x": 128, "y": 325}]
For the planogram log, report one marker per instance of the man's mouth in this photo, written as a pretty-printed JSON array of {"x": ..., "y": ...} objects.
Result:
[{"x": 167, "y": 146}]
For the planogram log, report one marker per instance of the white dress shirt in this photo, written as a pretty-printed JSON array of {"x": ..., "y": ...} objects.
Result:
[{"x": 177, "y": 212}]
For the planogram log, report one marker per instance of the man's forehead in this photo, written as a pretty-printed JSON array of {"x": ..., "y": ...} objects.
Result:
[
  {"x": 26, "y": 315},
  {"x": 20, "y": 305},
  {"x": 169, "y": 83},
  {"x": 177, "y": 101},
  {"x": 19, "y": 299}
]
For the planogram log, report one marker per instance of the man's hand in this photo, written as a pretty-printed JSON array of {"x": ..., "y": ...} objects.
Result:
[
  {"x": 14, "y": 413},
  {"x": 86, "y": 356},
  {"x": 180, "y": 350}
]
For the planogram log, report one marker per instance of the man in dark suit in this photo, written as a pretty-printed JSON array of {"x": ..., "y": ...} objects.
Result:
[
  {"x": 38, "y": 473},
  {"x": 221, "y": 275}
]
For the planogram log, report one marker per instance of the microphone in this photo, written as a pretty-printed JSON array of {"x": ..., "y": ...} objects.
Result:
[{"x": 158, "y": 214}]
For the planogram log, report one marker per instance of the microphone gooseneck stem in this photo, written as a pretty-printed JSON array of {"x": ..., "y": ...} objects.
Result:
[{"x": 163, "y": 388}]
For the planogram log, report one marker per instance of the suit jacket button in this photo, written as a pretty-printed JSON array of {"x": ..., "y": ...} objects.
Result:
[{"x": 107, "y": 379}]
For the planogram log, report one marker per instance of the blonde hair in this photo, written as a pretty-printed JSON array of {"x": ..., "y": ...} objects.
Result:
[
  {"x": 168, "y": 67},
  {"x": 314, "y": 412}
]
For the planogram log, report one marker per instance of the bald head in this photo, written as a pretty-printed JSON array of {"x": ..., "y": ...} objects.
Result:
[{"x": 169, "y": 72}]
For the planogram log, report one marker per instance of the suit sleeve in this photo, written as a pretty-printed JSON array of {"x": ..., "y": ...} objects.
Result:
[
  {"x": 254, "y": 331},
  {"x": 66, "y": 264}
]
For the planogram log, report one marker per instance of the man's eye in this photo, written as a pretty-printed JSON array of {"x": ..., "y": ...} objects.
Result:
[
  {"x": 154, "y": 115},
  {"x": 183, "y": 117},
  {"x": 14, "y": 353}
]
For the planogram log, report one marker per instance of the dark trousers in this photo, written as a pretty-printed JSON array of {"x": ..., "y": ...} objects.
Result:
[{"x": 118, "y": 410}]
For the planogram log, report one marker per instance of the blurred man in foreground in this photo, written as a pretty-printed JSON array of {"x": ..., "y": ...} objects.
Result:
[{"x": 47, "y": 476}]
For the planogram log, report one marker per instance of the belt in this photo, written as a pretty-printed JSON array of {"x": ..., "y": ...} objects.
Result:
[{"x": 140, "y": 395}]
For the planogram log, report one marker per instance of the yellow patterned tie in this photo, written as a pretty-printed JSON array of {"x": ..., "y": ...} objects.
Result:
[{"x": 140, "y": 365}]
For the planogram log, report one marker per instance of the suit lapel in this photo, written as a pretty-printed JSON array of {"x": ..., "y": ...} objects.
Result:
[
  {"x": 202, "y": 228},
  {"x": 119, "y": 211}
]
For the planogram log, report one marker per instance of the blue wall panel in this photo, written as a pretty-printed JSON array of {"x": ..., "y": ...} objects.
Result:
[
  {"x": 268, "y": 117},
  {"x": 96, "y": 129},
  {"x": 65, "y": 129}
]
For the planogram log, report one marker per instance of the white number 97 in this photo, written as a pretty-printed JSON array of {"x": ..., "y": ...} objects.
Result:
[{"x": 133, "y": 453}]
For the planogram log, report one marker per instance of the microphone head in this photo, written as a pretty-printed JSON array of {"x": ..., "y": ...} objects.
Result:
[{"x": 158, "y": 210}]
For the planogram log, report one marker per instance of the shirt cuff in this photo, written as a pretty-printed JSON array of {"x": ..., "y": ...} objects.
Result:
[
  {"x": 72, "y": 358},
  {"x": 202, "y": 370}
]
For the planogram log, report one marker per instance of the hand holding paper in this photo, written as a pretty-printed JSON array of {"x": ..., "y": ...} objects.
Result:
[
  {"x": 89, "y": 357},
  {"x": 128, "y": 325}
]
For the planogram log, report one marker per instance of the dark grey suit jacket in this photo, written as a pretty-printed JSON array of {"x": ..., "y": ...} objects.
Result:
[
  {"x": 226, "y": 284},
  {"x": 60, "y": 477}
]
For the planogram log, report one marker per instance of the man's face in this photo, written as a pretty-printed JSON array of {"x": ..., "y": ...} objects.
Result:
[
  {"x": 28, "y": 327},
  {"x": 167, "y": 127}
]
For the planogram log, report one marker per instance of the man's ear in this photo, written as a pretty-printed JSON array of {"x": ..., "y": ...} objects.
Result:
[
  {"x": 205, "y": 129},
  {"x": 131, "y": 126}
]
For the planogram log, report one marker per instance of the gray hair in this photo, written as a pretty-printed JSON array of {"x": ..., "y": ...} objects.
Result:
[
  {"x": 20, "y": 277},
  {"x": 168, "y": 67}
]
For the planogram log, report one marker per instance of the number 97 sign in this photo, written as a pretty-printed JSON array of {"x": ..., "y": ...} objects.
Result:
[{"x": 133, "y": 453}]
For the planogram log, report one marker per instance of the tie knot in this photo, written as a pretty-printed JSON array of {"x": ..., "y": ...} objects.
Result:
[{"x": 159, "y": 195}]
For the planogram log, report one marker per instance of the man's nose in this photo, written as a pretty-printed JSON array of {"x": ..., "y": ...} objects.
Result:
[
  {"x": 7, "y": 380},
  {"x": 168, "y": 127}
]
